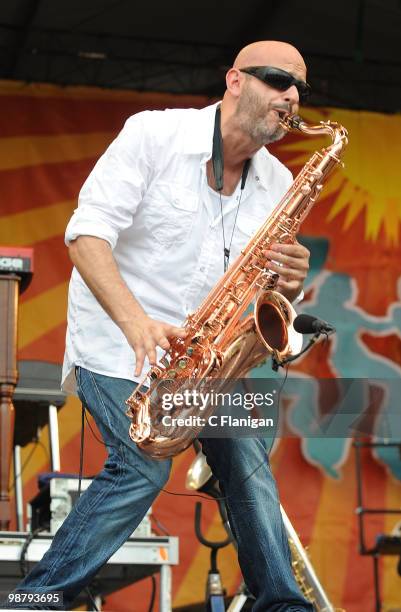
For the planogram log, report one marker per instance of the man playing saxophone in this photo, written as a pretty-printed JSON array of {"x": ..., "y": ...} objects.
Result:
[{"x": 160, "y": 217}]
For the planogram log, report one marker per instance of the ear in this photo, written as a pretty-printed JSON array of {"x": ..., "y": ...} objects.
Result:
[{"x": 234, "y": 81}]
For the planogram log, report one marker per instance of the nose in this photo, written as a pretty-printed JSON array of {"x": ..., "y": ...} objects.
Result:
[{"x": 291, "y": 95}]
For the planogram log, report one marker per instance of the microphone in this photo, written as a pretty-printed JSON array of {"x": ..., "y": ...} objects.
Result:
[
  {"x": 305, "y": 324},
  {"x": 308, "y": 324}
]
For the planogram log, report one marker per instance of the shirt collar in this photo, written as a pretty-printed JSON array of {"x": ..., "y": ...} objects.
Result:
[{"x": 200, "y": 140}]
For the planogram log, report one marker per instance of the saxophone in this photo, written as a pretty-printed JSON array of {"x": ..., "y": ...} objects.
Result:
[
  {"x": 305, "y": 575},
  {"x": 221, "y": 344}
]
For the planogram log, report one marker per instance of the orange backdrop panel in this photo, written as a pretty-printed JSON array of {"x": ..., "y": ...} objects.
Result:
[{"x": 50, "y": 140}]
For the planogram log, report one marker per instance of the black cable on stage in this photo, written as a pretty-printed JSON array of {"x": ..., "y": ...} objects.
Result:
[
  {"x": 45, "y": 450},
  {"x": 23, "y": 564},
  {"x": 81, "y": 453},
  {"x": 89, "y": 594},
  {"x": 36, "y": 444},
  {"x": 152, "y": 594},
  {"x": 159, "y": 524},
  {"x": 81, "y": 466}
]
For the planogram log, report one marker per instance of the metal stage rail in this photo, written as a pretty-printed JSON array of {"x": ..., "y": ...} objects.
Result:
[{"x": 138, "y": 558}]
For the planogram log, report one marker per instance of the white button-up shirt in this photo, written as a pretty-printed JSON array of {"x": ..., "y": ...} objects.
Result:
[{"x": 148, "y": 197}]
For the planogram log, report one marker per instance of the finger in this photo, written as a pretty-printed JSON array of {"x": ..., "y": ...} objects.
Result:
[
  {"x": 150, "y": 348},
  {"x": 288, "y": 260},
  {"x": 295, "y": 250},
  {"x": 287, "y": 273},
  {"x": 177, "y": 332},
  {"x": 163, "y": 342},
  {"x": 140, "y": 357},
  {"x": 294, "y": 247}
]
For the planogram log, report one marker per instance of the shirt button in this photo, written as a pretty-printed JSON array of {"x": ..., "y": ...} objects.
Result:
[
  {"x": 202, "y": 268},
  {"x": 257, "y": 178}
]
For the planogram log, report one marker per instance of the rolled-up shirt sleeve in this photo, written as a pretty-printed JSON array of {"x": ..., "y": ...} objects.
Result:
[{"x": 115, "y": 187}]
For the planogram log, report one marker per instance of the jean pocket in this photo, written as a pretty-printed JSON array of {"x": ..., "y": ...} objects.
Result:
[{"x": 79, "y": 377}]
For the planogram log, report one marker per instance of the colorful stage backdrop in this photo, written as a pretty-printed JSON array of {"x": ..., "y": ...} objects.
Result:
[{"x": 50, "y": 139}]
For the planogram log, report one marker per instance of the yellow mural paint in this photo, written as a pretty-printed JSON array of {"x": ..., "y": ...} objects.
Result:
[
  {"x": 332, "y": 531},
  {"x": 36, "y": 225},
  {"x": 371, "y": 168},
  {"x": 42, "y": 314},
  {"x": 21, "y": 151}
]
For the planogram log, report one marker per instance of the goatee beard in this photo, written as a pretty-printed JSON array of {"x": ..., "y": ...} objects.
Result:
[{"x": 251, "y": 114}]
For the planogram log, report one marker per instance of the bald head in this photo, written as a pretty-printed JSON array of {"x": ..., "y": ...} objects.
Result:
[
  {"x": 251, "y": 107},
  {"x": 272, "y": 53}
]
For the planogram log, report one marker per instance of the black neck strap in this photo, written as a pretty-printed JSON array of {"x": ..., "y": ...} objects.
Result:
[{"x": 218, "y": 158}]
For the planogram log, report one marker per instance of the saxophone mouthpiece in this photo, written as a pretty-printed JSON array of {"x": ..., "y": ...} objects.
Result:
[
  {"x": 295, "y": 121},
  {"x": 290, "y": 122}
]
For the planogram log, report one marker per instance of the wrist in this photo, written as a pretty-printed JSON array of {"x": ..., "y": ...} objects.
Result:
[
  {"x": 135, "y": 315},
  {"x": 293, "y": 295}
]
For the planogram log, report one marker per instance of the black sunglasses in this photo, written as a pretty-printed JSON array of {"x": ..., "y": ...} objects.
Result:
[{"x": 279, "y": 79}]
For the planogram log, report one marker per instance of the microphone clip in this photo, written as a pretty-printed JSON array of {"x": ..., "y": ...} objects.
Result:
[
  {"x": 276, "y": 363},
  {"x": 304, "y": 324}
]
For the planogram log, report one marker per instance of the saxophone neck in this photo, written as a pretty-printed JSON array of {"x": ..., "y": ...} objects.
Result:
[{"x": 336, "y": 131}]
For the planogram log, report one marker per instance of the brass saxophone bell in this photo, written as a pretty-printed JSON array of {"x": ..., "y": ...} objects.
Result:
[{"x": 274, "y": 318}]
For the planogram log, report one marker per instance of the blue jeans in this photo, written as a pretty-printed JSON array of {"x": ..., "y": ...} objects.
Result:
[{"x": 117, "y": 500}]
